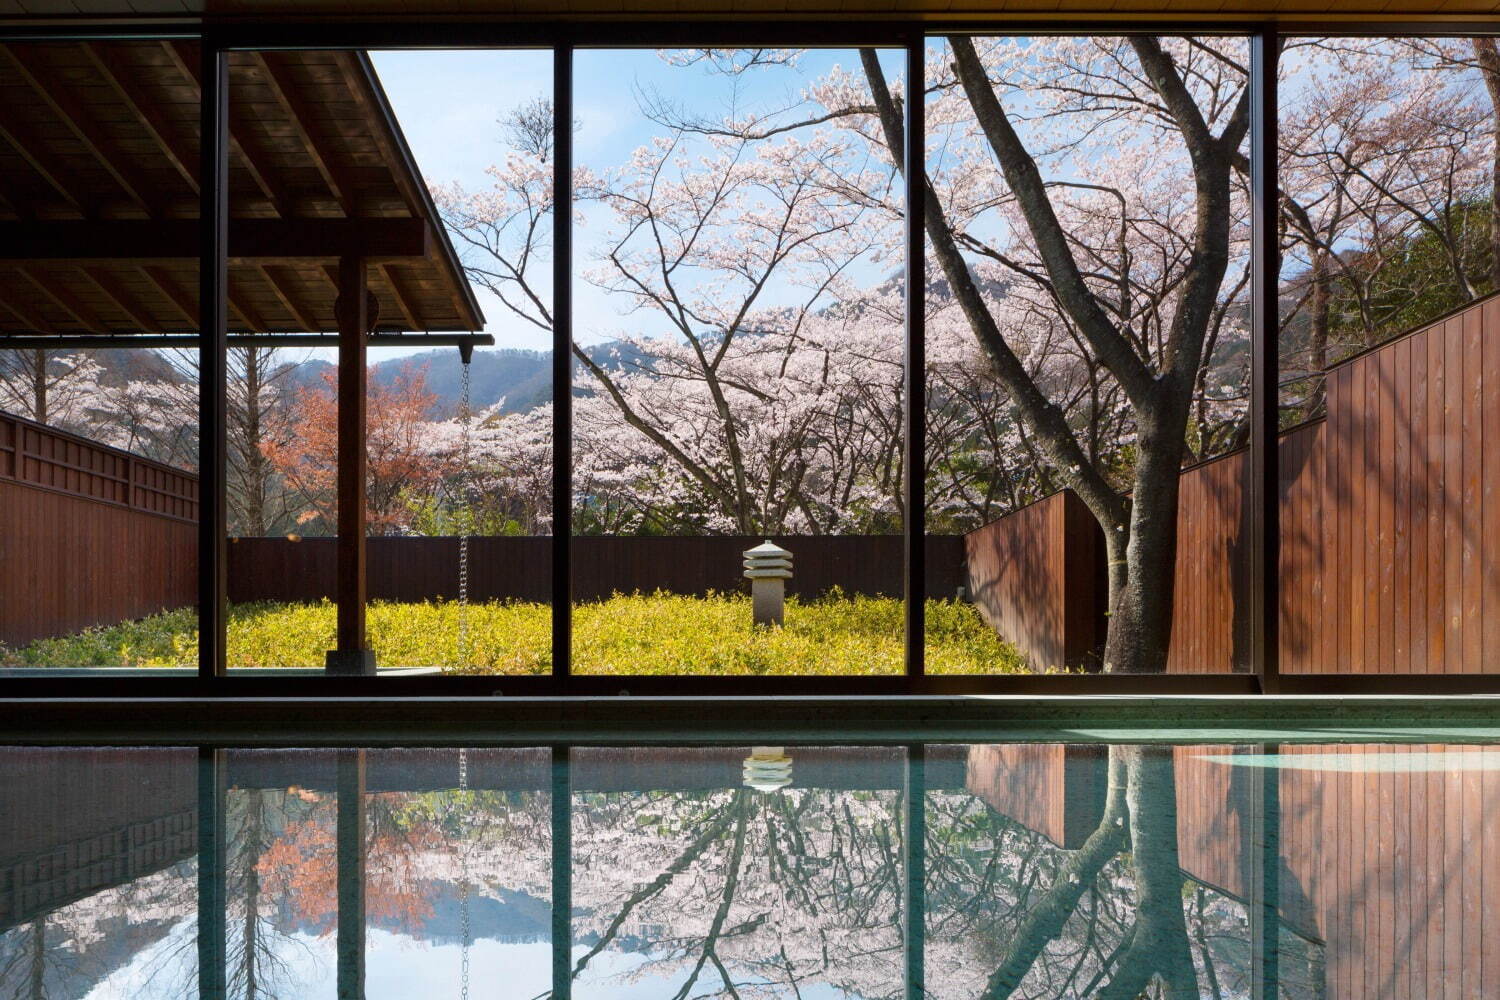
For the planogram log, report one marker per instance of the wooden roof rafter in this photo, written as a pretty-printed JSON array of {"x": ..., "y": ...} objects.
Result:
[
  {"x": 388, "y": 273},
  {"x": 40, "y": 159},
  {"x": 110, "y": 286},
  {"x": 57, "y": 96},
  {"x": 110, "y": 69},
  {"x": 364, "y": 84},
  {"x": 185, "y": 305},
  {"x": 259, "y": 172},
  {"x": 61, "y": 298},
  {"x": 299, "y": 312},
  {"x": 24, "y": 315},
  {"x": 235, "y": 295},
  {"x": 284, "y": 90}
]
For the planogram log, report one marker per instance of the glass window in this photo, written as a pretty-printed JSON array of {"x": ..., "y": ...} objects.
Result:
[
  {"x": 448, "y": 207},
  {"x": 1087, "y": 353},
  {"x": 1388, "y": 365},
  {"x": 98, "y": 354},
  {"x": 738, "y": 344}
]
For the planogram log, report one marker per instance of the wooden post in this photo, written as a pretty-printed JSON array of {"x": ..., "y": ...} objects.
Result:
[{"x": 351, "y": 657}]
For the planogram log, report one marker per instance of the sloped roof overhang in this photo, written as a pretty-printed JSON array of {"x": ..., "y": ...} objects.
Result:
[{"x": 99, "y": 143}]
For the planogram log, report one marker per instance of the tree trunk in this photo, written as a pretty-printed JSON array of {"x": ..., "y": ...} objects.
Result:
[
  {"x": 1143, "y": 582},
  {"x": 255, "y": 462},
  {"x": 39, "y": 386},
  {"x": 1489, "y": 66}
]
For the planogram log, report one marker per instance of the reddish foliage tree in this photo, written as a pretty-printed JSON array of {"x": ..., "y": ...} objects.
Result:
[{"x": 401, "y": 460}]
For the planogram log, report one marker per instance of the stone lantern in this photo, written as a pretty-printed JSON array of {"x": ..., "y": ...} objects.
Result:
[
  {"x": 768, "y": 567},
  {"x": 767, "y": 769}
]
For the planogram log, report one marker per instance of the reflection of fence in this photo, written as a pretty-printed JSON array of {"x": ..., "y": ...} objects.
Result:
[
  {"x": 1385, "y": 852},
  {"x": 593, "y": 769},
  {"x": 1386, "y": 855},
  {"x": 414, "y": 569},
  {"x": 1056, "y": 789},
  {"x": 77, "y": 822},
  {"x": 89, "y": 534}
]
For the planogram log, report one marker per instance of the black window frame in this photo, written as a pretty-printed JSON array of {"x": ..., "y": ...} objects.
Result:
[{"x": 219, "y": 40}]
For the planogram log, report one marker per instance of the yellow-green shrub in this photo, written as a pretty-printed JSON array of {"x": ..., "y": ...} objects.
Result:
[{"x": 637, "y": 634}]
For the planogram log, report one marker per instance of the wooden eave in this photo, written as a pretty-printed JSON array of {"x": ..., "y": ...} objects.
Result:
[
  {"x": 1053, "y": 14},
  {"x": 99, "y": 146}
]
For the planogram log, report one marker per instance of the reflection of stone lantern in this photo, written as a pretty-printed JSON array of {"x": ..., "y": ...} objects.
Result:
[
  {"x": 768, "y": 567},
  {"x": 768, "y": 769}
]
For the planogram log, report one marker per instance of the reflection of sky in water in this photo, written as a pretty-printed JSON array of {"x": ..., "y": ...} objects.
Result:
[
  {"x": 400, "y": 967},
  {"x": 1416, "y": 762}
]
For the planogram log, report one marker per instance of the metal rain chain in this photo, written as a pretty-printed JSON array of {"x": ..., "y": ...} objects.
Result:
[
  {"x": 463, "y": 862},
  {"x": 465, "y": 508}
]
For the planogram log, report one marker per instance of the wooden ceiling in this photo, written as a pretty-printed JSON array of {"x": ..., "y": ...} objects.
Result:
[
  {"x": 99, "y": 146},
  {"x": 1290, "y": 10}
]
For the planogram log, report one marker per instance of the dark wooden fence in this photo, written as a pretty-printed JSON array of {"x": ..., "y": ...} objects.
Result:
[
  {"x": 89, "y": 534},
  {"x": 1390, "y": 511},
  {"x": 1037, "y": 577},
  {"x": 1390, "y": 524},
  {"x": 414, "y": 569}
]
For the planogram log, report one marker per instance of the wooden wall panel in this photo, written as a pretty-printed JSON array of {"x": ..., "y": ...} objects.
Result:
[
  {"x": 1390, "y": 509},
  {"x": 1210, "y": 626},
  {"x": 515, "y": 568},
  {"x": 1037, "y": 576}
]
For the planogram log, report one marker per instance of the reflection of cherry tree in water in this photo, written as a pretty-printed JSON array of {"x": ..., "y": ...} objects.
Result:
[
  {"x": 721, "y": 893},
  {"x": 271, "y": 862},
  {"x": 1140, "y": 814},
  {"x": 1012, "y": 915},
  {"x": 64, "y": 952},
  {"x": 741, "y": 893},
  {"x": 282, "y": 868}
]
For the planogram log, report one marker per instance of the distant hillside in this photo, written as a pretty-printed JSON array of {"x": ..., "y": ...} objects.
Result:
[{"x": 523, "y": 379}]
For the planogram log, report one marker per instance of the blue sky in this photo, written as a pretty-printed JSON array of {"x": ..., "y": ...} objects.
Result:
[{"x": 448, "y": 103}]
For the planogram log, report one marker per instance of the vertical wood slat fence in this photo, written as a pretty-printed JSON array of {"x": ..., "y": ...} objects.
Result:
[
  {"x": 89, "y": 534},
  {"x": 1390, "y": 511},
  {"x": 1390, "y": 529},
  {"x": 1037, "y": 577},
  {"x": 519, "y": 568}
]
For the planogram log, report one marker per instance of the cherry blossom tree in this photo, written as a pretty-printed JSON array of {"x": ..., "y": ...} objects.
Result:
[
  {"x": 1091, "y": 179},
  {"x": 48, "y": 387},
  {"x": 1387, "y": 168}
]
